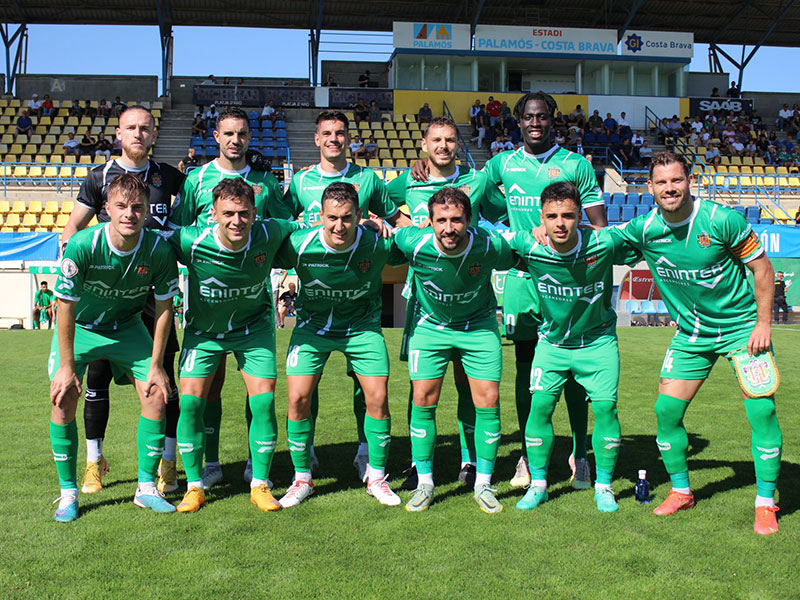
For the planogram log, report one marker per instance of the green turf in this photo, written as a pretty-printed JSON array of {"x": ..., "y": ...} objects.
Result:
[{"x": 343, "y": 544}]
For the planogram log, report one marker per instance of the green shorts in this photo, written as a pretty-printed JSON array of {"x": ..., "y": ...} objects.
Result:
[
  {"x": 431, "y": 349},
  {"x": 520, "y": 306},
  {"x": 129, "y": 350},
  {"x": 255, "y": 353},
  {"x": 681, "y": 361},
  {"x": 595, "y": 367},
  {"x": 365, "y": 352}
]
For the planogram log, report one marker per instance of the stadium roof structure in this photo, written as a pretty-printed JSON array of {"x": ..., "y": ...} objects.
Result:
[{"x": 739, "y": 22}]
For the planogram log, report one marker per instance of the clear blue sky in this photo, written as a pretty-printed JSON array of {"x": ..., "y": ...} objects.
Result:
[{"x": 284, "y": 53}]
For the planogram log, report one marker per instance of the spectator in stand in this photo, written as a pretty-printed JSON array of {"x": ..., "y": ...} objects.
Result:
[
  {"x": 210, "y": 80},
  {"x": 610, "y": 123},
  {"x": 361, "y": 111},
  {"x": 280, "y": 114},
  {"x": 675, "y": 127},
  {"x": 694, "y": 138},
  {"x": 25, "y": 124},
  {"x": 785, "y": 157},
  {"x": 357, "y": 148},
  {"x": 374, "y": 112},
  {"x": 48, "y": 109},
  {"x": 579, "y": 147},
  {"x": 473, "y": 115},
  {"x": 794, "y": 123},
  {"x": 35, "y": 106},
  {"x": 103, "y": 146},
  {"x": 497, "y": 146},
  {"x": 645, "y": 154},
  {"x": 493, "y": 110},
  {"x": 371, "y": 148},
  {"x": 71, "y": 146},
  {"x": 425, "y": 114},
  {"x": 103, "y": 109},
  {"x": 762, "y": 144},
  {"x": 625, "y": 151},
  {"x": 481, "y": 122},
  {"x": 76, "y": 110},
  {"x": 240, "y": 81},
  {"x": 737, "y": 147},
  {"x": 287, "y": 300},
  {"x": 190, "y": 160},
  {"x": 117, "y": 106},
  {"x": 199, "y": 125},
  {"x": 560, "y": 138},
  {"x": 757, "y": 121},
  {"x": 560, "y": 122},
  {"x": 116, "y": 147},
  {"x": 697, "y": 124},
  {"x": 226, "y": 81},
  {"x": 715, "y": 93},
  {"x": 87, "y": 144},
  {"x": 89, "y": 110},
  {"x": 663, "y": 130},
  {"x": 705, "y": 137},
  {"x": 636, "y": 143},
  {"x": 785, "y": 114},
  {"x": 364, "y": 80},
  {"x": 595, "y": 122},
  {"x": 577, "y": 118},
  {"x": 268, "y": 112},
  {"x": 771, "y": 156},
  {"x": 624, "y": 126},
  {"x": 211, "y": 117},
  {"x": 687, "y": 126},
  {"x": 778, "y": 299},
  {"x": 505, "y": 110},
  {"x": 733, "y": 91},
  {"x": 751, "y": 149},
  {"x": 331, "y": 82}
]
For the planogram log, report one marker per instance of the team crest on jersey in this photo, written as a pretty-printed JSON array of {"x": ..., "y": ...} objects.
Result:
[
  {"x": 156, "y": 180},
  {"x": 68, "y": 268},
  {"x": 256, "y": 188},
  {"x": 357, "y": 186},
  {"x": 142, "y": 270},
  {"x": 260, "y": 259},
  {"x": 703, "y": 239},
  {"x": 591, "y": 260},
  {"x": 474, "y": 269},
  {"x": 553, "y": 172},
  {"x": 364, "y": 265},
  {"x": 466, "y": 189}
]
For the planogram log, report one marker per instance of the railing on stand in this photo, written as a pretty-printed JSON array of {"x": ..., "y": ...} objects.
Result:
[
  {"x": 65, "y": 177},
  {"x": 467, "y": 156}
]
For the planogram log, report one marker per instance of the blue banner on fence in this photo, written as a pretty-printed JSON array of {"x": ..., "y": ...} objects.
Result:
[
  {"x": 29, "y": 246},
  {"x": 780, "y": 241}
]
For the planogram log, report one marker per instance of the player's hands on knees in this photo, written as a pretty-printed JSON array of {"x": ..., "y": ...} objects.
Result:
[
  {"x": 63, "y": 382},
  {"x": 157, "y": 378},
  {"x": 420, "y": 170},
  {"x": 540, "y": 235},
  {"x": 759, "y": 339}
]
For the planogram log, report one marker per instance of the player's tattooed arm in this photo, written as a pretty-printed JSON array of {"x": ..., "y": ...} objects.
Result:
[
  {"x": 763, "y": 278},
  {"x": 65, "y": 380}
]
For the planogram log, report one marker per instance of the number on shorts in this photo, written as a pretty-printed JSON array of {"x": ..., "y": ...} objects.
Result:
[
  {"x": 294, "y": 356},
  {"x": 413, "y": 361},
  {"x": 667, "y": 366},
  {"x": 511, "y": 324},
  {"x": 536, "y": 379},
  {"x": 51, "y": 363},
  {"x": 187, "y": 360}
]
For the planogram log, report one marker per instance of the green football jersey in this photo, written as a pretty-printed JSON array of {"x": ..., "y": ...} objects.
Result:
[
  {"x": 193, "y": 204},
  {"x": 454, "y": 291},
  {"x": 524, "y": 176},
  {"x": 229, "y": 292},
  {"x": 486, "y": 199},
  {"x": 110, "y": 286},
  {"x": 340, "y": 290},
  {"x": 699, "y": 267},
  {"x": 304, "y": 194},
  {"x": 575, "y": 287},
  {"x": 43, "y": 298}
]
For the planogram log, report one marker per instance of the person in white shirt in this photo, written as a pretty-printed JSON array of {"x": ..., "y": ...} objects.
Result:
[
  {"x": 357, "y": 148},
  {"x": 35, "y": 106},
  {"x": 785, "y": 115},
  {"x": 624, "y": 126},
  {"x": 268, "y": 113},
  {"x": 211, "y": 116},
  {"x": 697, "y": 124}
]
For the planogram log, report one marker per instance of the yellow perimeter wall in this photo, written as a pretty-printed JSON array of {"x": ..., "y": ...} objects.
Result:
[{"x": 410, "y": 101}]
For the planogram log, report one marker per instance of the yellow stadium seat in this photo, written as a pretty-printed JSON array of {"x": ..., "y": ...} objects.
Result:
[
  {"x": 412, "y": 154},
  {"x": 51, "y": 172},
  {"x": 413, "y": 127},
  {"x": 7, "y": 139},
  {"x": 20, "y": 171},
  {"x": 62, "y": 220},
  {"x": 758, "y": 170},
  {"x": 394, "y": 144},
  {"x": 396, "y": 154},
  {"x": 58, "y": 122},
  {"x": 23, "y": 229},
  {"x": 2, "y": 220},
  {"x": 35, "y": 172},
  {"x": 70, "y": 159},
  {"x": 86, "y": 121},
  {"x": 46, "y": 121},
  {"x": 56, "y": 158},
  {"x": 15, "y": 103},
  {"x": 45, "y": 149},
  {"x": 26, "y": 158},
  {"x": 733, "y": 169},
  {"x": 385, "y": 154},
  {"x": 16, "y": 149},
  {"x": 65, "y": 171},
  {"x": 30, "y": 149},
  {"x": 736, "y": 160},
  {"x": 100, "y": 159},
  {"x": 379, "y": 135},
  {"x": 783, "y": 171},
  {"x": 416, "y": 135},
  {"x": 391, "y": 135},
  {"x": 36, "y": 139},
  {"x": 46, "y": 220},
  {"x": 10, "y": 158},
  {"x": 67, "y": 207},
  {"x": 50, "y": 139},
  {"x": 408, "y": 144},
  {"x": 746, "y": 169},
  {"x": 18, "y": 207},
  {"x": 373, "y": 162},
  {"x": 12, "y": 220},
  {"x": 725, "y": 160},
  {"x": 5, "y": 207},
  {"x": 29, "y": 220},
  {"x": 40, "y": 158},
  {"x": 85, "y": 159},
  {"x": 35, "y": 207},
  {"x": 747, "y": 160},
  {"x": 73, "y": 121},
  {"x": 51, "y": 207},
  {"x": 747, "y": 181},
  {"x": 402, "y": 164},
  {"x": 81, "y": 172}
]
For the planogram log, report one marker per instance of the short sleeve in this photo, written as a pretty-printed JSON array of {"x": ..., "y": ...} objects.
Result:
[
  {"x": 165, "y": 280},
  {"x": 622, "y": 252},
  {"x": 183, "y": 209},
  {"x": 629, "y": 232},
  {"x": 738, "y": 235},
  {"x": 72, "y": 272},
  {"x": 291, "y": 198},
  {"x": 586, "y": 182},
  {"x": 396, "y": 189},
  {"x": 492, "y": 202},
  {"x": 505, "y": 255},
  {"x": 90, "y": 194}
]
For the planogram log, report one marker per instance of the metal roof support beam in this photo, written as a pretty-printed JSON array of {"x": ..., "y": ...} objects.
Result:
[
  {"x": 631, "y": 15},
  {"x": 20, "y": 36},
  {"x": 477, "y": 17},
  {"x": 735, "y": 18},
  {"x": 165, "y": 31},
  {"x": 316, "y": 32},
  {"x": 764, "y": 38}
]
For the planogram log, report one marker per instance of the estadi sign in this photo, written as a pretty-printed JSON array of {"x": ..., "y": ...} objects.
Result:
[{"x": 432, "y": 36}]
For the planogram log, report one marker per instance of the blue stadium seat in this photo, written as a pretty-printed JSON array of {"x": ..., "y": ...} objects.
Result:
[
  {"x": 602, "y": 138},
  {"x": 613, "y": 138},
  {"x": 281, "y": 152},
  {"x": 267, "y": 124},
  {"x": 254, "y": 124},
  {"x": 661, "y": 307},
  {"x": 632, "y": 306},
  {"x": 253, "y": 114},
  {"x": 632, "y": 198},
  {"x": 589, "y": 138},
  {"x": 642, "y": 210},
  {"x": 211, "y": 152},
  {"x": 618, "y": 198},
  {"x": 765, "y": 221},
  {"x": 649, "y": 308},
  {"x": 613, "y": 214},
  {"x": 647, "y": 199},
  {"x": 628, "y": 212},
  {"x": 268, "y": 152},
  {"x": 280, "y": 124},
  {"x": 739, "y": 209},
  {"x": 752, "y": 214},
  {"x": 606, "y": 198}
]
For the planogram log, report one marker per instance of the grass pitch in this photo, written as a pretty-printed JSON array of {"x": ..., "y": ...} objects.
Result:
[{"x": 343, "y": 544}]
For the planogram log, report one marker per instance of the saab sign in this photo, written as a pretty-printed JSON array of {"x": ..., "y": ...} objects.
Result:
[
  {"x": 431, "y": 36},
  {"x": 666, "y": 44},
  {"x": 545, "y": 40},
  {"x": 701, "y": 106}
]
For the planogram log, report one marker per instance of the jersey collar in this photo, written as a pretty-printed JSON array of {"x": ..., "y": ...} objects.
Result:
[
  {"x": 350, "y": 248},
  {"x": 543, "y": 156},
  {"x": 452, "y": 177},
  {"x": 568, "y": 252},
  {"x": 336, "y": 174},
  {"x": 222, "y": 247},
  {"x": 242, "y": 172},
  {"x": 695, "y": 208},
  {"x": 129, "y": 169},
  {"x": 116, "y": 250}
]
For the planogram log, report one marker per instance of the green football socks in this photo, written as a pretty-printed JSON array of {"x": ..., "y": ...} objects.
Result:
[
  {"x": 263, "y": 435},
  {"x": 191, "y": 436},
  {"x": 150, "y": 447},
  {"x": 64, "y": 441}
]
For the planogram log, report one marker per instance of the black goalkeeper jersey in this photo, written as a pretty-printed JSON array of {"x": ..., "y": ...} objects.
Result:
[{"x": 164, "y": 182}]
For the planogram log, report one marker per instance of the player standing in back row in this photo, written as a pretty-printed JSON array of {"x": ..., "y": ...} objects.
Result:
[
  {"x": 699, "y": 253},
  {"x": 304, "y": 195},
  {"x": 137, "y": 134}
]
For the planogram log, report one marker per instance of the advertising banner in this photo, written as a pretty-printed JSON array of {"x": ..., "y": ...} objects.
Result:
[
  {"x": 549, "y": 40},
  {"x": 432, "y": 36},
  {"x": 666, "y": 44}
]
